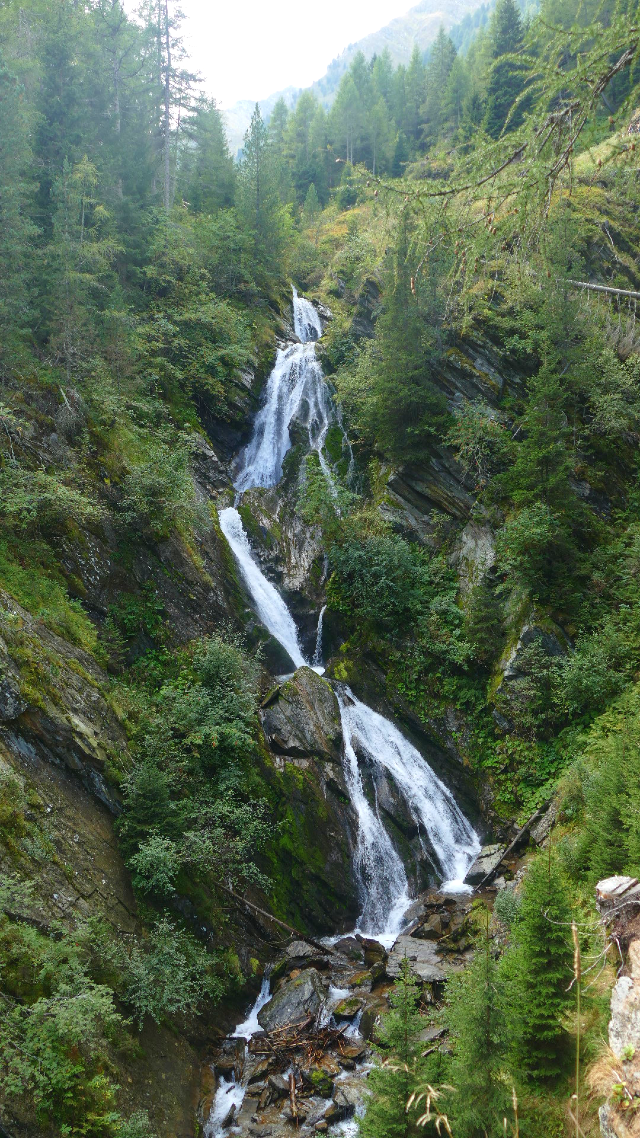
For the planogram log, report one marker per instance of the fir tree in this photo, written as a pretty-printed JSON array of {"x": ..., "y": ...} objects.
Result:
[
  {"x": 537, "y": 971},
  {"x": 475, "y": 1016},
  {"x": 506, "y": 78},
  {"x": 399, "y": 1068}
]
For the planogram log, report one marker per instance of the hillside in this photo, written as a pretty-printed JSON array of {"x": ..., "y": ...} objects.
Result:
[{"x": 319, "y": 601}]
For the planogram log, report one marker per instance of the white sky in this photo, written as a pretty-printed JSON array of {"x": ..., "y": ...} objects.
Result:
[{"x": 247, "y": 49}]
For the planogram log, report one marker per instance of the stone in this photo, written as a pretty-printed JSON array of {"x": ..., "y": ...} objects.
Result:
[
  {"x": 11, "y": 702},
  {"x": 279, "y": 1086},
  {"x": 301, "y": 1114},
  {"x": 624, "y": 1025},
  {"x": 487, "y": 860},
  {"x": 302, "y": 718},
  {"x": 370, "y": 1018},
  {"x": 373, "y": 950},
  {"x": 430, "y": 1034},
  {"x": 318, "y": 1081},
  {"x": 294, "y": 1002},
  {"x": 424, "y": 961},
  {"x": 348, "y": 1008},
  {"x": 473, "y": 555},
  {"x": 350, "y": 947},
  {"x": 431, "y": 929},
  {"x": 614, "y": 893}
]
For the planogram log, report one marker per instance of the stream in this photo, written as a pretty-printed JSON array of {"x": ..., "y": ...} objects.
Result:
[{"x": 296, "y": 389}]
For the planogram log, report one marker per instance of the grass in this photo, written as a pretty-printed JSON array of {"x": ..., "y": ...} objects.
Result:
[{"x": 34, "y": 581}]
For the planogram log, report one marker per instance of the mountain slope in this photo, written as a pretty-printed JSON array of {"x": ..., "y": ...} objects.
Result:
[{"x": 419, "y": 26}]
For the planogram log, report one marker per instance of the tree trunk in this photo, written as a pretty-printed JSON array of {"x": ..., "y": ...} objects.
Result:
[{"x": 167, "y": 111}]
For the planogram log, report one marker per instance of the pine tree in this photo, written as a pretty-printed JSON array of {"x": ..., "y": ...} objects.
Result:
[
  {"x": 16, "y": 232},
  {"x": 505, "y": 79},
  {"x": 258, "y": 197},
  {"x": 405, "y": 409},
  {"x": 475, "y": 1016},
  {"x": 399, "y": 1066},
  {"x": 537, "y": 971}
]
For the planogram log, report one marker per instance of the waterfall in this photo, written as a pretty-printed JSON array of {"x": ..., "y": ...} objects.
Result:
[
  {"x": 317, "y": 655},
  {"x": 296, "y": 387},
  {"x": 229, "y": 1092},
  {"x": 431, "y": 805},
  {"x": 295, "y": 390},
  {"x": 270, "y": 606}
]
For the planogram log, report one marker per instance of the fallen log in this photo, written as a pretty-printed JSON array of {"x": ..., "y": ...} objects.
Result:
[
  {"x": 270, "y": 917},
  {"x": 510, "y": 848}
]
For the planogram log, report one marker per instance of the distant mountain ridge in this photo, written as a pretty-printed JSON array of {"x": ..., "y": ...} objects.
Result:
[{"x": 420, "y": 25}]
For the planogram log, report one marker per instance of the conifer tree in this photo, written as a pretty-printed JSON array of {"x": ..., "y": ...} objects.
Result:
[
  {"x": 475, "y": 1016},
  {"x": 400, "y": 1065},
  {"x": 506, "y": 79},
  {"x": 537, "y": 971}
]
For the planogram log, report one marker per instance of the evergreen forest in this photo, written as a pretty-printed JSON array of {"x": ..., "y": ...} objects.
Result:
[{"x": 460, "y": 547}]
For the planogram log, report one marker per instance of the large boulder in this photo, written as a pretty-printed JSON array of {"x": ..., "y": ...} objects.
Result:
[
  {"x": 294, "y": 1002},
  {"x": 302, "y": 718},
  {"x": 487, "y": 860}
]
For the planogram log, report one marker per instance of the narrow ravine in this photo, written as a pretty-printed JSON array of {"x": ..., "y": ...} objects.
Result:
[{"x": 296, "y": 389}]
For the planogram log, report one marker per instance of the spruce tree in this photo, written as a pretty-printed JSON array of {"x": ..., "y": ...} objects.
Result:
[
  {"x": 506, "y": 79},
  {"x": 538, "y": 972},
  {"x": 475, "y": 1016},
  {"x": 400, "y": 1067}
]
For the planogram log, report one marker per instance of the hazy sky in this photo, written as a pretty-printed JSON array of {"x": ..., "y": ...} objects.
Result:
[{"x": 247, "y": 49}]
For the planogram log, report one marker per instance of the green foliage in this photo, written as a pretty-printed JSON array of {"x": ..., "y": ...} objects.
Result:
[
  {"x": 399, "y": 1064},
  {"x": 28, "y": 572},
  {"x": 475, "y": 1016},
  {"x": 599, "y": 795},
  {"x": 537, "y": 971},
  {"x": 58, "y": 1025},
  {"x": 188, "y": 802}
]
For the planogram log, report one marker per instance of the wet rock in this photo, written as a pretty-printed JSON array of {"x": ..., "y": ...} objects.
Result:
[
  {"x": 373, "y": 950},
  {"x": 298, "y": 1116},
  {"x": 11, "y": 702},
  {"x": 486, "y": 861},
  {"x": 317, "y": 1080},
  {"x": 348, "y": 1008},
  {"x": 295, "y": 1002},
  {"x": 350, "y": 947},
  {"x": 432, "y": 928},
  {"x": 302, "y": 717},
  {"x": 229, "y": 1117},
  {"x": 370, "y": 1018},
  {"x": 278, "y": 1085}
]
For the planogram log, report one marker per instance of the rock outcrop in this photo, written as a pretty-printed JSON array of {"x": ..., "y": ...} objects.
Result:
[
  {"x": 302, "y": 718},
  {"x": 618, "y": 900}
]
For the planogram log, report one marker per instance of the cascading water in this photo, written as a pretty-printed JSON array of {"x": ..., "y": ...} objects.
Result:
[
  {"x": 270, "y": 606},
  {"x": 230, "y": 1092},
  {"x": 296, "y": 387},
  {"x": 383, "y": 880}
]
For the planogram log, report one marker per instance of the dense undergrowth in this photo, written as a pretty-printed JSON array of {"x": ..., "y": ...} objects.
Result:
[{"x": 144, "y": 278}]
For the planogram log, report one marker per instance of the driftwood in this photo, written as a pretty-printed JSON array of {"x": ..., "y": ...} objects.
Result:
[
  {"x": 516, "y": 842},
  {"x": 270, "y": 917}
]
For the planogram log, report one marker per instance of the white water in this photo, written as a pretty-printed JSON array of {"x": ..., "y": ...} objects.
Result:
[
  {"x": 229, "y": 1092},
  {"x": 296, "y": 387},
  {"x": 270, "y": 606},
  {"x": 317, "y": 655},
  {"x": 380, "y": 869},
  {"x": 295, "y": 390}
]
